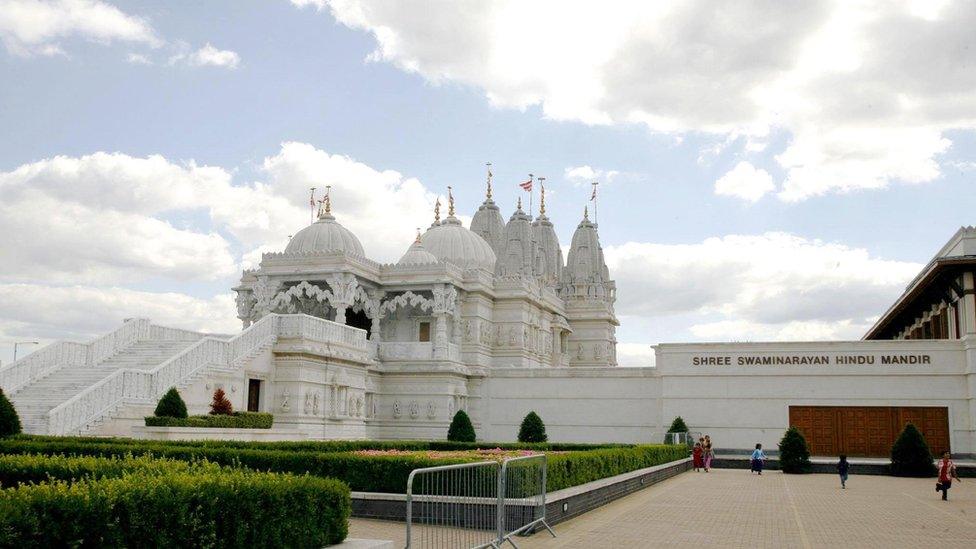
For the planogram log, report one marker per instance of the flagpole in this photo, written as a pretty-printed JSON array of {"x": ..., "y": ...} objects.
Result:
[
  {"x": 596, "y": 216},
  {"x": 531, "y": 177},
  {"x": 311, "y": 207}
]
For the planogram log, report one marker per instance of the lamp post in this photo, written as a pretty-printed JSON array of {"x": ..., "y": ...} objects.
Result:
[{"x": 23, "y": 343}]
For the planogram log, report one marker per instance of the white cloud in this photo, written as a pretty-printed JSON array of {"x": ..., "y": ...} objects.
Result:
[
  {"x": 30, "y": 27},
  {"x": 212, "y": 57},
  {"x": 635, "y": 355},
  {"x": 55, "y": 312},
  {"x": 138, "y": 59},
  {"x": 584, "y": 175},
  {"x": 746, "y": 182},
  {"x": 862, "y": 105},
  {"x": 774, "y": 285}
]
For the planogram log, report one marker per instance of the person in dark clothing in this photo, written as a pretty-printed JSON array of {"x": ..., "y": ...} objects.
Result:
[{"x": 842, "y": 468}]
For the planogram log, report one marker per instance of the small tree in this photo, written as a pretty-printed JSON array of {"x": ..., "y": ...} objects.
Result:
[
  {"x": 461, "y": 429},
  {"x": 532, "y": 429},
  {"x": 171, "y": 405},
  {"x": 794, "y": 455},
  {"x": 220, "y": 406},
  {"x": 9, "y": 421},
  {"x": 677, "y": 426},
  {"x": 910, "y": 455}
]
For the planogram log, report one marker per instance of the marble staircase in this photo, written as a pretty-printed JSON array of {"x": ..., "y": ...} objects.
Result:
[{"x": 34, "y": 401}]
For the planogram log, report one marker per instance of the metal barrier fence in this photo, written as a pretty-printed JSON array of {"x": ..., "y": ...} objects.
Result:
[
  {"x": 476, "y": 505},
  {"x": 453, "y": 505}
]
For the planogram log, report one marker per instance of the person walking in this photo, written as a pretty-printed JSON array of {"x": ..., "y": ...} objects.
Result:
[
  {"x": 709, "y": 454},
  {"x": 696, "y": 457},
  {"x": 758, "y": 459},
  {"x": 947, "y": 472},
  {"x": 842, "y": 468}
]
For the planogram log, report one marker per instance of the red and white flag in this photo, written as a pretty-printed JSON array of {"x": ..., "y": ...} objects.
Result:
[
  {"x": 527, "y": 186},
  {"x": 593, "y": 196}
]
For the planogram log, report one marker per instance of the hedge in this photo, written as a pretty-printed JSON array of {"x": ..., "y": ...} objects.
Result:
[
  {"x": 226, "y": 509},
  {"x": 334, "y": 445},
  {"x": 237, "y": 420},
  {"x": 33, "y": 468},
  {"x": 362, "y": 473}
]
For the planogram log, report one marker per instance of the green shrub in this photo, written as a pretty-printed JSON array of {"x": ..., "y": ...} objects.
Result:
[
  {"x": 910, "y": 455},
  {"x": 237, "y": 420},
  {"x": 575, "y": 464},
  {"x": 32, "y": 468},
  {"x": 461, "y": 429},
  {"x": 794, "y": 455},
  {"x": 532, "y": 429},
  {"x": 171, "y": 405},
  {"x": 220, "y": 405},
  {"x": 9, "y": 422},
  {"x": 677, "y": 426},
  {"x": 226, "y": 509}
]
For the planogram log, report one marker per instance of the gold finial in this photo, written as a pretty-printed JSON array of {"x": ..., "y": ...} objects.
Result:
[
  {"x": 328, "y": 200},
  {"x": 418, "y": 236},
  {"x": 450, "y": 202},
  {"x": 519, "y": 207},
  {"x": 542, "y": 202},
  {"x": 437, "y": 211},
  {"x": 489, "y": 179},
  {"x": 586, "y": 213}
]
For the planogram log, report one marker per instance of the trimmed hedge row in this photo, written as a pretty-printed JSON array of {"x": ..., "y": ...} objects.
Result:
[
  {"x": 227, "y": 509},
  {"x": 334, "y": 445},
  {"x": 362, "y": 473},
  {"x": 33, "y": 468},
  {"x": 237, "y": 420}
]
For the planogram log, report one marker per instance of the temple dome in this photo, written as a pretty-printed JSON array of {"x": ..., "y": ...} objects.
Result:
[
  {"x": 451, "y": 242},
  {"x": 417, "y": 255},
  {"x": 325, "y": 235}
]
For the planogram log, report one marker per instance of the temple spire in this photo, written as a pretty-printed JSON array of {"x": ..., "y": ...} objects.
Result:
[
  {"x": 450, "y": 202},
  {"x": 328, "y": 199},
  {"x": 586, "y": 213},
  {"x": 542, "y": 200},
  {"x": 437, "y": 211},
  {"x": 519, "y": 207},
  {"x": 417, "y": 241},
  {"x": 488, "y": 194}
]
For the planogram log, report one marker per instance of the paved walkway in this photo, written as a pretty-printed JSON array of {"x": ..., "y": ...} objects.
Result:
[{"x": 733, "y": 508}]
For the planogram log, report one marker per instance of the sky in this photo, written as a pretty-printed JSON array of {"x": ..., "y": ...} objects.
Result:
[{"x": 768, "y": 170}]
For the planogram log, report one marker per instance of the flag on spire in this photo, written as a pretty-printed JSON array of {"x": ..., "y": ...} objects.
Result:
[
  {"x": 593, "y": 196},
  {"x": 527, "y": 186}
]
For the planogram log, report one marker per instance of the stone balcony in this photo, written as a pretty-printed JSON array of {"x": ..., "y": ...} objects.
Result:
[{"x": 413, "y": 351}]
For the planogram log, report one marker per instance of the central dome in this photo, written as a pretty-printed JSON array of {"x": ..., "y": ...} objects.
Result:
[
  {"x": 325, "y": 235},
  {"x": 450, "y": 242}
]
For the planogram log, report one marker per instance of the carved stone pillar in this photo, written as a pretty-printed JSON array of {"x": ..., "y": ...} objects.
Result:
[{"x": 445, "y": 304}]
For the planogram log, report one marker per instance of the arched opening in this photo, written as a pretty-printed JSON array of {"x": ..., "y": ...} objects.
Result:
[{"x": 358, "y": 319}]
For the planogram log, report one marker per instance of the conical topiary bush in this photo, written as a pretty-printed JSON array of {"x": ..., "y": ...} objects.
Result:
[
  {"x": 461, "y": 429},
  {"x": 171, "y": 405},
  {"x": 9, "y": 421},
  {"x": 532, "y": 429},
  {"x": 794, "y": 455},
  {"x": 677, "y": 426},
  {"x": 220, "y": 406},
  {"x": 910, "y": 455}
]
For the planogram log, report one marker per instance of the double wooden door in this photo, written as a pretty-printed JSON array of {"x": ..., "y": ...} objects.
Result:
[{"x": 867, "y": 431}]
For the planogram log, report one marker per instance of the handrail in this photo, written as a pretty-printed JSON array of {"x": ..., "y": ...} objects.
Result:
[
  {"x": 38, "y": 364},
  {"x": 149, "y": 385}
]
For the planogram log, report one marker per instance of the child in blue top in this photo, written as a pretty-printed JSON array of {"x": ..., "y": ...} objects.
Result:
[
  {"x": 758, "y": 458},
  {"x": 842, "y": 468}
]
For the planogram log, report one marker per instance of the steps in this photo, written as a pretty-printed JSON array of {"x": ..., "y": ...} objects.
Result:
[{"x": 35, "y": 400}]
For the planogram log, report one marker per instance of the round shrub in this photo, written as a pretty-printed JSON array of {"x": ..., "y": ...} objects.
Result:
[
  {"x": 794, "y": 455},
  {"x": 461, "y": 429},
  {"x": 220, "y": 406},
  {"x": 910, "y": 455},
  {"x": 9, "y": 421},
  {"x": 171, "y": 405},
  {"x": 532, "y": 429}
]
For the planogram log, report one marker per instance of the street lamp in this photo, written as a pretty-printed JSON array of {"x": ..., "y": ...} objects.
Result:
[{"x": 23, "y": 343}]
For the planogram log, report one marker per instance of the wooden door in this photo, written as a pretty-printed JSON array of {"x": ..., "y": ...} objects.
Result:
[
  {"x": 253, "y": 395},
  {"x": 867, "y": 431}
]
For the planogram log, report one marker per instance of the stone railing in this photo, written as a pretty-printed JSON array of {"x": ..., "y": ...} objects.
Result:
[
  {"x": 162, "y": 333},
  {"x": 407, "y": 351},
  {"x": 311, "y": 334},
  {"x": 66, "y": 353},
  {"x": 146, "y": 386}
]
